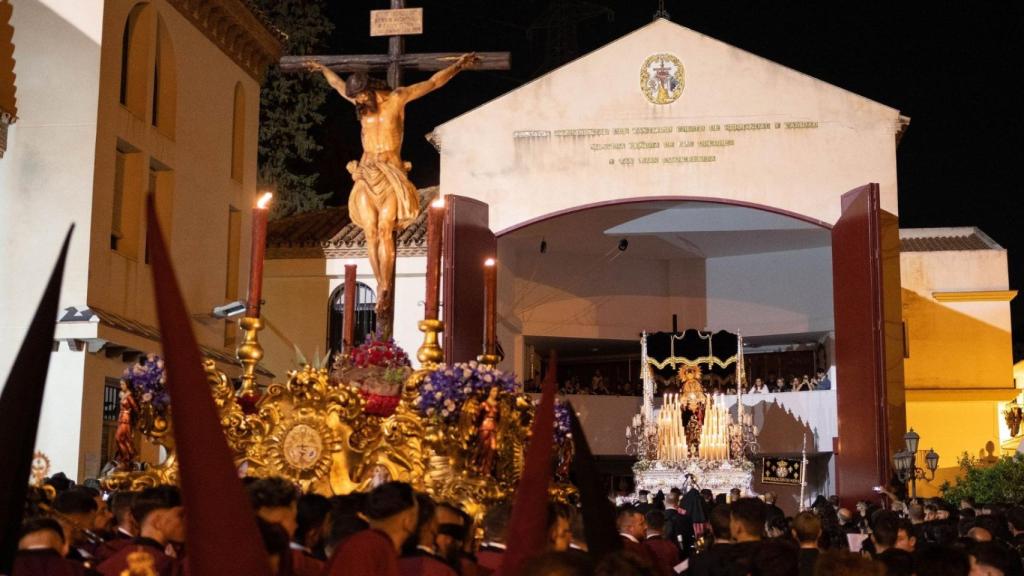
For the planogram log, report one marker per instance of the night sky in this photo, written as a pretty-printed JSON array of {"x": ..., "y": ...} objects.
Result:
[{"x": 949, "y": 66}]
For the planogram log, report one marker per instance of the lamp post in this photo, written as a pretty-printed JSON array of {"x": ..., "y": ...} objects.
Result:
[{"x": 905, "y": 462}]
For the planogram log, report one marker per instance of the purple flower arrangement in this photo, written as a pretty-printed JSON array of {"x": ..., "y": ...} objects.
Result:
[
  {"x": 447, "y": 388},
  {"x": 563, "y": 424},
  {"x": 147, "y": 383}
]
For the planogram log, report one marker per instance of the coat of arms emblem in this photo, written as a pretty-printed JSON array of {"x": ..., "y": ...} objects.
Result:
[{"x": 661, "y": 78}]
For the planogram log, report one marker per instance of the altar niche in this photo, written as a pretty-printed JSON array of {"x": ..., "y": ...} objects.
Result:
[{"x": 613, "y": 270}]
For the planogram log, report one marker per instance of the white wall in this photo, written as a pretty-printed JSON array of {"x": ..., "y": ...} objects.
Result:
[
  {"x": 410, "y": 289},
  {"x": 46, "y": 174},
  {"x": 802, "y": 170},
  {"x": 771, "y": 293}
]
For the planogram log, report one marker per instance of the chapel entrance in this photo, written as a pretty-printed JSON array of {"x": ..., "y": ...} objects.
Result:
[{"x": 589, "y": 281}]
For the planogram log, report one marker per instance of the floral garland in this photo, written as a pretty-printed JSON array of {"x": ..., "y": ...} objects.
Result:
[
  {"x": 447, "y": 388},
  {"x": 148, "y": 383}
]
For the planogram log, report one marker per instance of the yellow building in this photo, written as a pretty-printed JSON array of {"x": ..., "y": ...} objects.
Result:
[
  {"x": 117, "y": 99},
  {"x": 958, "y": 369}
]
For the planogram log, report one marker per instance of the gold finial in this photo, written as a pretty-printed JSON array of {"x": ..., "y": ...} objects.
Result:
[{"x": 430, "y": 352}]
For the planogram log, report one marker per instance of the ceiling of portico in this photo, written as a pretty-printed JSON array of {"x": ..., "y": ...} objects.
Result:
[{"x": 664, "y": 230}]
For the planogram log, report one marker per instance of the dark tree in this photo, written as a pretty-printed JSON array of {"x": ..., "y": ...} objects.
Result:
[{"x": 290, "y": 108}]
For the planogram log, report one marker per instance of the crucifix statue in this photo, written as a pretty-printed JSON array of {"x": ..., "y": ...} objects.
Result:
[{"x": 383, "y": 201}]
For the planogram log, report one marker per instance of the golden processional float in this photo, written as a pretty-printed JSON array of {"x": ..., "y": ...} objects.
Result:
[
  {"x": 458, "y": 432},
  {"x": 696, "y": 437}
]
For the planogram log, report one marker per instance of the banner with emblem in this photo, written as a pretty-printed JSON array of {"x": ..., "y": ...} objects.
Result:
[{"x": 780, "y": 471}]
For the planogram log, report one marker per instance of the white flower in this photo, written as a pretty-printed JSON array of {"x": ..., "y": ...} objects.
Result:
[
  {"x": 444, "y": 413},
  {"x": 449, "y": 404},
  {"x": 467, "y": 373},
  {"x": 428, "y": 387},
  {"x": 488, "y": 378},
  {"x": 467, "y": 389},
  {"x": 438, "y": 395},
  {"x": 148, "y": 396}
]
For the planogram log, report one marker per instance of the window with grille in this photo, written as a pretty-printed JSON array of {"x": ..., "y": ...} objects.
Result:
[{"x": 365, "y": 315}]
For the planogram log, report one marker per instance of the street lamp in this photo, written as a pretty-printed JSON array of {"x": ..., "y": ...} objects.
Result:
[{"x": 905, "y": 462}]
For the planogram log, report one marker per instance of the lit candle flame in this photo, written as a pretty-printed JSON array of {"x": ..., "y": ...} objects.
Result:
[
  {"x": 264, "y": 200},
  {"x": 438, "y": 202},
  {"x": 489, "y": 262}
]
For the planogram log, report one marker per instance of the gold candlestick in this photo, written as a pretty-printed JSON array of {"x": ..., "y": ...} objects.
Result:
[
  {"x": 249, "y": 353},
  {"x": 430, "y": 353}
]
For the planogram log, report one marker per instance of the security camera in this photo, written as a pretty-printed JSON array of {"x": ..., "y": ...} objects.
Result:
[
  {"x": 623, "y": 244},
  {"x": 228, "y": 310}
]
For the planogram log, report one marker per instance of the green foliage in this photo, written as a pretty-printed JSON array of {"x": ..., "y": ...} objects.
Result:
[
  {"x": 290, "y": 108},
  {"x": 999, "y": 482}
]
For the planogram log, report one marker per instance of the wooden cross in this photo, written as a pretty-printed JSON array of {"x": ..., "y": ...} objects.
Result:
[{"x": 395, "y": 60}]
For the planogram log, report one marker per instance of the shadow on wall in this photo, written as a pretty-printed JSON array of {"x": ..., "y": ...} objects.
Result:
[
  {"x": 950, "y": 349},
  {"x": 779, "y": 431}
]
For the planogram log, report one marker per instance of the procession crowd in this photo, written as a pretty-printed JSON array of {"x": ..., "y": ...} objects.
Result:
[{"x": 395, "y": 531}]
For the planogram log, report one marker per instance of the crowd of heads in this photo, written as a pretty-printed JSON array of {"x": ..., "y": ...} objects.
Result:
[{"x": 693, "y": 533}]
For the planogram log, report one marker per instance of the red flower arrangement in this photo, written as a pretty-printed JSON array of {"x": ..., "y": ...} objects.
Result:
[{"x": 378, "y": 368}]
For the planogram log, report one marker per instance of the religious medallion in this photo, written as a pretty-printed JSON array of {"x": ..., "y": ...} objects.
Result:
[
  {"x": 301, "y": 448},
  {"x": 661, "y": 78}
]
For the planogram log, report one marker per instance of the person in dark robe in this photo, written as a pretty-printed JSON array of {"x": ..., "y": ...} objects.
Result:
[
  {"x": 678, "y": 524},
  {"x": 666, "y": 553},
  {"x": 275, "y": 500},
  {"x": 698, "y": 507},
  {"x": 419, "y": 554},
  {"x": 492, "y": 549},
  {"x": 160, "y": 517},
  {"x": 714, "y": 560},
  {"x": 344, "y": 520},
  {"x": 392, "y": 513},
  {"x": 746, "y": 525},
  {"x": 632, "y": 527},
  {"x": 450, "y": 541},
  {"x": 41, "y": 549},
  {"x": 125, "y": 527},
  {"x": 311, "y": 525},
  {"x": 77, "y": 510},
  {"x": 806, "y": 529}
]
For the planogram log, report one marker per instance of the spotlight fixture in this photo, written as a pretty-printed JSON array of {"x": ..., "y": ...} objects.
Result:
[
  {"x": 623, "y": 244},
  {"x": 543, "y": 246}
]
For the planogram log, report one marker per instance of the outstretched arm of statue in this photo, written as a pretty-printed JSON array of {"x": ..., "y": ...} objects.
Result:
[
  {"x": 332, "y": 78},
  {"x": 440, "y": 78}
]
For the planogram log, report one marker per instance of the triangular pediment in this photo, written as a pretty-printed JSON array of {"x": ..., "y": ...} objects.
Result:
[{"x": 668, "y": 112}]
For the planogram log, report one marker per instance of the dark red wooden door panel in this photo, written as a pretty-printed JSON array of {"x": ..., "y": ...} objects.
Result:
[{"x": 468, "y": 241}]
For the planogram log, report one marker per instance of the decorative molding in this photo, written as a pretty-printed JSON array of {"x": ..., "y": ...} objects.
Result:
[
  {"x": 976, "y": 296},
  {"x": 239, "y": 29}
]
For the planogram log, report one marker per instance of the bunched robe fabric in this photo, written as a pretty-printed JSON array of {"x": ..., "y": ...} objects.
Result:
[
  {"x": 423, "y": 564},
  {"x": 45, "y": 562},
  {"x": 367, "y": 553},
  {"x": 162, "y": 563}
]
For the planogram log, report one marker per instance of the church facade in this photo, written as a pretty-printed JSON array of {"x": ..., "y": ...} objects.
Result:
[
  {"x": 156, "y": 97},
  {"x": 666, "y": 175}
]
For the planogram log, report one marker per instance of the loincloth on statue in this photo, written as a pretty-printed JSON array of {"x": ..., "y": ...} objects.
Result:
[{"x": 382, "y": 179}]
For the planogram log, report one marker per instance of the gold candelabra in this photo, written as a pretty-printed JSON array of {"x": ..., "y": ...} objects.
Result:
[{"x": 249, "y": 353}]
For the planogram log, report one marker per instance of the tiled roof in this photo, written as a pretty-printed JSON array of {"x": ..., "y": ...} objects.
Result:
[
  {"x": 89, "y": 314},
  {"x": 330, "y": 233},
  {"x": 944, "y": 240}
]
